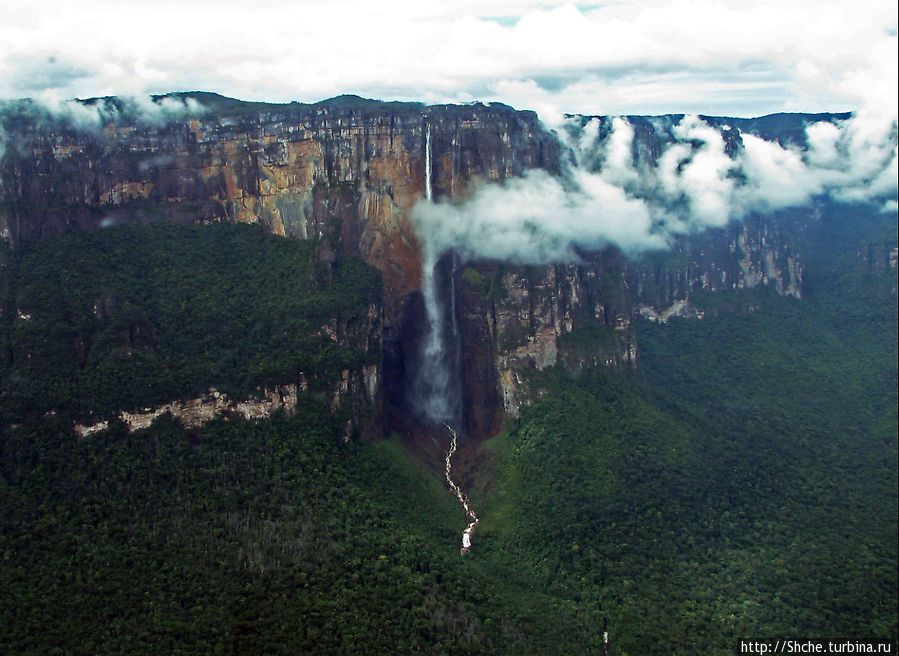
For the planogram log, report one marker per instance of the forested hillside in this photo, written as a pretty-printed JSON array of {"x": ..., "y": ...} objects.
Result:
[
  {"x": 103, "y": 320},
  {"x": 740, "y": 484}
]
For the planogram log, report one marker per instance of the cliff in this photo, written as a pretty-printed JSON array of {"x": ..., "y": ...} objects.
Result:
[
  {"x": 741, "y": 256},
  {"x": 347, "y": 173}
]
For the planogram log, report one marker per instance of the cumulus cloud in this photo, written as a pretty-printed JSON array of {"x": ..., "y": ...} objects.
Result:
[
  {"x": 852, "y": 161},
  {"x": 699, "y": 175},
  {"x": 607, "y": 198}
]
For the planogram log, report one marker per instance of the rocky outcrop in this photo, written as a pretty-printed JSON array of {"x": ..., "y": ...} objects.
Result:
[
  {"x": 195, "y": 413},
  {"x": 531, "y": 318},
  {"x": 355, "y": 394}
]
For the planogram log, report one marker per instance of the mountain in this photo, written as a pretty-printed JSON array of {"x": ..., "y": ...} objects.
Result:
[{"x": 679, "y": 436}]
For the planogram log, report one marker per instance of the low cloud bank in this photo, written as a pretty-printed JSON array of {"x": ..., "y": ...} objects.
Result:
[
  {"x": 94, "y": 113},
  {"x": 610, "y": 196},
  {"x": 91, "y": 115}
]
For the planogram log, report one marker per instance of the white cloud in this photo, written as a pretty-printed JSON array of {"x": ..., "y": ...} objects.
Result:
[
  {"x": 694, "y": 185},
  {"x": 535, "y": 219},
  {"x": 722, "y": 57}
]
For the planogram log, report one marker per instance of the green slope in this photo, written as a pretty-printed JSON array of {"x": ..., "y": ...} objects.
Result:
[
  {"x": 747, "y": 487},
  {"x": 742, "y": 486},
  {"x": 133, "y": 316}
]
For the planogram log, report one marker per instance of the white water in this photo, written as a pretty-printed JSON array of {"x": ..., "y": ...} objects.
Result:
[
  {"x": 428, "y": 192},
  {"x": 434, "y": 378},
  {"x": 469, "y": 513}
]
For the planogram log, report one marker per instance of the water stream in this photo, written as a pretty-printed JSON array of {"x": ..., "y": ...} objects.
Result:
[{"x": 469, "y": 513}]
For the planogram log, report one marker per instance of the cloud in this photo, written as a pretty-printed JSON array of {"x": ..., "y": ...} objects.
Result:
[
  {"x": 536, "y": 219},
  {"x": 30, "y": 75},
  {"x": 647, "y": 56},
  {"x": 699, "y": 175},
  {"x": 609, "y": 196},
  {"x": 93, "y": 114},
  {"x": 852, "y": 161}
]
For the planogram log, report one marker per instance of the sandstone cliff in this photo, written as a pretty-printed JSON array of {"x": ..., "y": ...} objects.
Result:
[
  {"x": 347, "y": 173},
  {"x": 741, "y": 256}
]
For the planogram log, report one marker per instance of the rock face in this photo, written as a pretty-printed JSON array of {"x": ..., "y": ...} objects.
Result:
[
  {"x": 359, "y": 397},
  {"x": 741, "y": 256},
  {"x": 519, "y": 319},
  {"x": 194, "y": 413},
  {"x": 347, "y": 172}
]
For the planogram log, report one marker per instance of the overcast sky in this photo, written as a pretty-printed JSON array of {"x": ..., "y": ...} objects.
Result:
[{"x": 728, "y": 58}]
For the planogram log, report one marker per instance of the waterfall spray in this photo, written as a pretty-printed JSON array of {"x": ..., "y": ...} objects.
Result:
[{"x": 436, "y": 386}]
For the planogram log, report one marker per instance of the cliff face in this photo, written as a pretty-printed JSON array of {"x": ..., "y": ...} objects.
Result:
[
  {"x": 741, "y": 256},
  {"x": 526, "y": 318},
  {"x": 347, "y": 173}
]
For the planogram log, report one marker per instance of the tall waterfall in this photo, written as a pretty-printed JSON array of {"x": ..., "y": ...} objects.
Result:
[
  {"x": 429, "y": 194},
  {"x": 437, "y": 378},
  {"x": 437, "y": 382}
]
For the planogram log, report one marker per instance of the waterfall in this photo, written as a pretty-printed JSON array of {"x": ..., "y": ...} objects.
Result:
[
  {"x": 436, "y": 384},
  {"x": 436, "y": 380},
  {"x": 428, "y": 192}
]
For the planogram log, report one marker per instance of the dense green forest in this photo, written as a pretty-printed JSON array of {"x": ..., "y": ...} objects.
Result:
[
  {"x": 131, "y": 316},
  {"x": 749, "y": 490},
  {"x": 741, "y": 485}
]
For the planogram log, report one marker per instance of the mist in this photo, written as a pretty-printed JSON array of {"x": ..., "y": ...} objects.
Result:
[
  {"x": 613, "y": 193},
  {"x": 91, "y": 115},
  {"x": 94, "y": 113}
]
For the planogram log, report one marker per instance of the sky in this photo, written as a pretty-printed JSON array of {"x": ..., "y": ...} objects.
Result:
[{"x": 628, "y": 57}]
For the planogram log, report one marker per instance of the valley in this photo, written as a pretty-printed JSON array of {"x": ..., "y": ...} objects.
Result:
[{"x": 269, "y": 312}]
